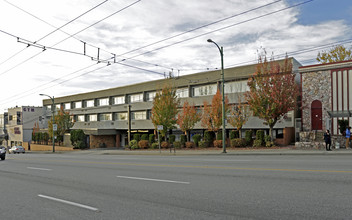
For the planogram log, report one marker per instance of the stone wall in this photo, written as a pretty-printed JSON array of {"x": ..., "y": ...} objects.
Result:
[
  {"x": 315, "y": 140},
  {"x": 315, "y": 86}
]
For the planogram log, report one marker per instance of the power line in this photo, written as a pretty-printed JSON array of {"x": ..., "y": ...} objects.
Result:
[
  {"x": 56, "y": 28},
  {"x": 70, "y": 36}
]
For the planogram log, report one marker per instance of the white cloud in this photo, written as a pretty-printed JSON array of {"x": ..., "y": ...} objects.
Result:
[{"x": 142, "y": 24}]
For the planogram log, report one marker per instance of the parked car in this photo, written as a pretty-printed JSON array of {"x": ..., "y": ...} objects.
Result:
[
  {"x": 17, "y": 149},
  {"x": 2, "y": 152}
]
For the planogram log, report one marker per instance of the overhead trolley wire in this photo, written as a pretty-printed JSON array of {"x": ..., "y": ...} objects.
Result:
[
  {"x": 70, "y": 36},
  {"x": 56, "y": 28}
]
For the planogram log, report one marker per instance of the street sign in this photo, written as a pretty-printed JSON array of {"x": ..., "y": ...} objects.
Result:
[
  {"x": 160, "y": 127},
  {"x": 54, "y": 127}
]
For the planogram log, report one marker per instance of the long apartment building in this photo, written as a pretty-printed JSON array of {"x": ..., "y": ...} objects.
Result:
[{"x": 103, "y": 114}]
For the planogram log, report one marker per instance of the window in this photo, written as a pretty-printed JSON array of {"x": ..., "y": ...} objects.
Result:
[
  {"x": 58, "y": 106},
  {"x": 119, "y": 100},
  {"x": 182, "y": 93},
  {"x": 151, "y": 96},
  {"x": 139, "y": 115},
  {"x": 105, "y": 117},
  {"x": 205, "y": 90},
  {"x": 89, "y": 103},
  {"x": 92, "y": 117},
  {"x": 236, "y": 86},
  {"x": 48, "y": 107},
  {"x": 103, "y": 102},
  {"x": 77, "y": 104},
  {"x": 121, "y": 116},
  {"x": 135, "y": 98},
  {"x": 67, "y": 105},
  {"x": 80, "y": 117}
]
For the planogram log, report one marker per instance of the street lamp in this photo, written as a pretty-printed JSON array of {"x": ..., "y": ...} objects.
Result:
[
  {"x": 53, "y": 111},
  {"x": 221, "y": 50}
]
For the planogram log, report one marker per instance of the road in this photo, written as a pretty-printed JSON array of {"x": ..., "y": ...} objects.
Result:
[{"x": 82, "y": 186}]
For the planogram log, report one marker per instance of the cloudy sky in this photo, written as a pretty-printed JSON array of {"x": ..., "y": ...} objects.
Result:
[{"x": 53, "y": 47}]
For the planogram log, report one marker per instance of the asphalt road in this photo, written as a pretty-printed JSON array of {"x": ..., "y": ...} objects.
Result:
[{"x": 81, "y": 186}]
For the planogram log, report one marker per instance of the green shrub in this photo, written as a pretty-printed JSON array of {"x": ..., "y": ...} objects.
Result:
[
  {"x": 257, "y": 143},
  {"x": 238, "y": 142},
  {"x": 248, "y": 137},
  {"x": 144, "y": 137},
  {"x": 259, "y": 137},
  {"x": 172, "y": 138},
  {"x": 269, "y": 144},
  {"x": 137, "y": 137},
  {"x": 234, "y": 134},
  {"x": 190, "y": 145},
  {"x": 143, "y": 144},
  {"x": 177, "y": 144},
  {"x": 81, "y": 145},
  {"x": 218, "y": 143},
  {"x": 151, "y": 138},
  {"x": 209, "y": 137},
  {"x": 267, "y": 138},
  {"x": 133, "y": 144},
  {"x": 183, "y": 140},
  {"x": 76, "y": 136},
  {"x": 196, "y": 138},
  {"x": 219, "y": 136},
  {"x": 155, "y": 145},
  {"x": 203, "y": 144}
]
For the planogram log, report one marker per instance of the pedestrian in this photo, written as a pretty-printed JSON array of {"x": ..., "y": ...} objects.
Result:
[
  {"x": 348, "y": 136},
  {"x": 327, "y": 138}
]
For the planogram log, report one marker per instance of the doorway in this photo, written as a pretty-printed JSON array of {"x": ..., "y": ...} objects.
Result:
[{"x": 316, "y": 115}]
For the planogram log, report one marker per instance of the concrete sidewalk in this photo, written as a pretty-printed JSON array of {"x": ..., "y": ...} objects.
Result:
[{"x": 230, "y": 151}]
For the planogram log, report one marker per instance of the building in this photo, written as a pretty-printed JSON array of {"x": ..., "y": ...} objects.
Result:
[
  {"x": 102, "y": 115},
  {"x": 3, "y": 131},
  {"x": 21, "y": 121},
  {"x": 326, "y": 95}
]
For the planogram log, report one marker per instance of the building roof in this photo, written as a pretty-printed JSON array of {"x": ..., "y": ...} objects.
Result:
[{"x": 325, "y": 66}]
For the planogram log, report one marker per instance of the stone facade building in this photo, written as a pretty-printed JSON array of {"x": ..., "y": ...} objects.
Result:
[{"x": 326, "y": 96}]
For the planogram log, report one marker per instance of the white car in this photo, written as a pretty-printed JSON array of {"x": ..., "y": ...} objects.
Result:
[{"x": 17, "y": 149}]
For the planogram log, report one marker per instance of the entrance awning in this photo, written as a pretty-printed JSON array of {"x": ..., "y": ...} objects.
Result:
[
  {"x": 100, "y": 131},
  {"x": 340, "y": 114}
]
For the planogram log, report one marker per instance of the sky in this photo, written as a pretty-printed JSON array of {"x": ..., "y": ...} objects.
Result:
[{"x": 66, "y": 47}]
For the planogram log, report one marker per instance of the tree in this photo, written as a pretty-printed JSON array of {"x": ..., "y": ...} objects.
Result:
[
  {"x": 239, "y": 115},
  {"x": 63, "y": 121},
  {"x": 273, "y": 91},
  {"x": 335, "y": 54},
  {"x": 164, "y": 109},
  {"x": 188, "y": 118},
  {"x": 212, "y": 114}
]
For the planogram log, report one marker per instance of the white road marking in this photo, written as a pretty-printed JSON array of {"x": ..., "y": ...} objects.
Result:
[
  {"x": 36, "y": 168},
  {"x": 157, "y": 180},
  {"x": 68, "y": 202}
]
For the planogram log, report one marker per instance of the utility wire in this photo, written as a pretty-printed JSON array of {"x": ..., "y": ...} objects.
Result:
[
  {"x": 56, "y": 28},
  {"x": 223, "y": 28},
  {"x": 70, "y": 36}
]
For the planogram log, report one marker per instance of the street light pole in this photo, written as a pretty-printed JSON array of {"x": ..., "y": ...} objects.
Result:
[
  {"x": 221, "y": 50},
  {"x": 53, "y": 111}
]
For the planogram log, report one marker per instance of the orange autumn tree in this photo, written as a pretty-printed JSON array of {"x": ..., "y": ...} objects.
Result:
[
  {"x": 164, "y": 109},
  {"x": 212, "y": 114},
  {"x": 273, "y": 91},
  {"x": 188, "y": 118},
  {"x": 239, "y": 115},
  {"x": 64, "y": 123}
]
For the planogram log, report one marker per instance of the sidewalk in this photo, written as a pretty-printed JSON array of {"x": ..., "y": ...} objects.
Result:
[{"x": 212, "y": 151}]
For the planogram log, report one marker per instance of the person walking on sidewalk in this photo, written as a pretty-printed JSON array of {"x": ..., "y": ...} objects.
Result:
[
  {"x": 327, "y": 138},
  {"x": 348, "y": 136}
]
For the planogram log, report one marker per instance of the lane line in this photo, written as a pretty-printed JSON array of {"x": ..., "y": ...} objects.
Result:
[
  {"x": 156, "y": 180},
  {"x": 190, "y": 166},
  {"x": 37, "y": 168},
  {"x": 69, "y": 202}
]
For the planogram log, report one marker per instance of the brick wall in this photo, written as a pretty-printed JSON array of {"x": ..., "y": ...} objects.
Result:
[{"x": 97, "y": 140}]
